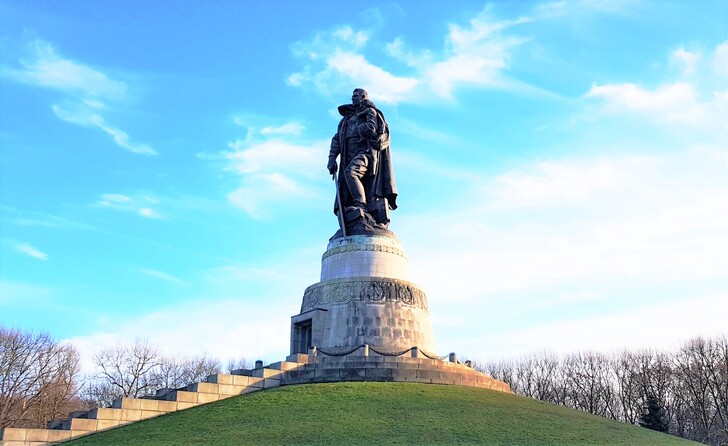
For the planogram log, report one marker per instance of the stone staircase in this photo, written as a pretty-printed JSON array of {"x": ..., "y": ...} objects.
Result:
[{"x": 297, "y": 369}]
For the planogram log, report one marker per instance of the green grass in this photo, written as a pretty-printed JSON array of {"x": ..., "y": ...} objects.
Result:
[{"x": 378, "y": 413}]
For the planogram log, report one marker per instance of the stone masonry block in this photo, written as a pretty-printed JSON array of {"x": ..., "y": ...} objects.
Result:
[
  {"x": 14, "y": 434},
  {"x": 183, "y": 406},
  {"x": 266, "y": 373},
  {"x": 255, "y": 382},
  {"x": 220, "y": 378},
  {"x": 239, "y": 380},
  {"x": 107, "y": 424},
  {"x": 428, "y": 374},
  {"x": 229, "y": 389},
  {"x": 76, "y": 434},
  {"x": 131, "y": 414},
  {"x": 300, "y": 358},
  {"x": 105, "y": 413},
  {"x": 203, "y": 398},
  {"x": 249, "y": 389},
  {"x": 58, "y": 435},
  {"x": 36, "y": 435},
  {"x": 126, "y": 403},
  {"x": 203, "y": 388},
  {"x": 352, "y": 374},
  {"x": 271, "y": 382},
  {"x": 298, "y": 376},
  {"x": 83, "y": 424},
  {"x": 327, "y": 374},
  {"x": 283, "y": 365},
  {"x": 167, "y": 406},
  {"x": 149, "y": 405},
  {"x": 182, "y": 396},
  {"x": 150, "y": 414},
  {"x": 380, "y": 374}
]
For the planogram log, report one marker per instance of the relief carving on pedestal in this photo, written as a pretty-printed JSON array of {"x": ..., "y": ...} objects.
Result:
[
  {"x": 375, "y": 291},
  {"x": 350, "y": 247}
]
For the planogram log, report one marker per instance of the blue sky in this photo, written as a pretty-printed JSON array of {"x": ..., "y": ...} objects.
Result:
[{"x": 562, "y": 168}]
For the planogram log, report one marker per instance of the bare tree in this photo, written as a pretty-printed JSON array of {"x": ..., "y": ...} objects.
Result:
[
  {"x": 139, "y": 370},
  {"x": 37, "y": 378},
  {"x": 701, "y": 397},
  {"x": 237, "y": 364},
  {"x": 174, "y": 373},
  {"x": 125, "y": 371}
]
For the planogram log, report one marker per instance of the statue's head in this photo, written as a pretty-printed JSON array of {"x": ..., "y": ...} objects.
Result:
[{"x": 359, "y": 95}]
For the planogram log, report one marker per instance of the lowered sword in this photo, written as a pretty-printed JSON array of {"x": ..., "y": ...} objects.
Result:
[{"x": 340, "y": 214}]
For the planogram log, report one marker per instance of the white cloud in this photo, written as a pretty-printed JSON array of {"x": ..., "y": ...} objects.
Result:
[
  {"x": 687, "y": 60},
  {"x": 274, "y": 155},
  {"x": 698, "y": 101},
  {"x": 357, "y": 70},
  {"x": 565, "y": 240},
  {"x": 475, "y": 54},
  {"x": 291, "y": 128},
  {"x": 48, "y": 69},
  {"x": 88, "y": 118},
  {"x": 141, "y": 205},
  {"x": 720, "y": 59},
  {"x": 86, "y": 91},
  {"x": 244, "y": 312},
  {"x": 649, "y": 218},
  {"x": 665, "y": 326},
  {"x": 552, "y": 182},
  {"x": 260, "y": 192},
  {"x": 224, "y": 329},
  {"x": 30, "y": 251},
  {"x": 275, "y": 164}
]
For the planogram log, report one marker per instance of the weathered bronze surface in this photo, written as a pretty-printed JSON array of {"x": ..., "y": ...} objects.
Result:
[{"x": 366, "y": 186}]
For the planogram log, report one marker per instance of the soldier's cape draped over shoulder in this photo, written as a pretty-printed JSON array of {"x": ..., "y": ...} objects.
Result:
[{"x": 383, "y": 184}]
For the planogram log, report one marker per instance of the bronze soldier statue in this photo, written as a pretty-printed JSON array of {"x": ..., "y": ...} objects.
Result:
[{"x": 366, "y": 187}]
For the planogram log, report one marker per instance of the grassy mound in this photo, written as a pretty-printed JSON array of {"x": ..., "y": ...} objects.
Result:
[{"x": 378, "y": 413}]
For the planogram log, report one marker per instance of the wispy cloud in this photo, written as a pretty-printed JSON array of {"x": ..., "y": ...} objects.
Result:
[
  {"x": 275, "y": 164},
  {"x": 87, "y": 117},
  {"x": 41, "y": 219},
  {"x": 142, "y": 205},
  {"x": 698, "y": 100},
  {"x": 46, "y": 68},
  {"x": 86, "y": 90},
  {"x": 30, "y": 251},
  {"x": 475, "y": 54},
  {"x": 161, "y": 275}
]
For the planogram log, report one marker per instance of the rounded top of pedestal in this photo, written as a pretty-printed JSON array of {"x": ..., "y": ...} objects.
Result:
[
  {"x": 365, "y": 239},
  {"x": 364, "y": 256}
]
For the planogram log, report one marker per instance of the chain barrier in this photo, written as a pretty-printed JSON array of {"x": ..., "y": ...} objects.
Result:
[
  {"x": 392, "y": 353},
  {"x": 324, "y": 352},
  {"x": 403, "y": 352}
]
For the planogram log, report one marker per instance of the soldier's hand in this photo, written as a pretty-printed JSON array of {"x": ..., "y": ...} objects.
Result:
[{"x": 332, "y": 167}]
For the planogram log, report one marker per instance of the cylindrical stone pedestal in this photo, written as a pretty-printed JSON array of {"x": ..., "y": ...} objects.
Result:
[{"x": 363, "y": 298}]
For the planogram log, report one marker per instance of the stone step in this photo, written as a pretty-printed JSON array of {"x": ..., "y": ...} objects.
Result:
[
  {"x": 236, "y": 380},
  {"x": 266, "y": 373},
  {"x": 284, "y": 365},
  {"x": 300, "y": 358},
  {"x": 35, "y": 437}
]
